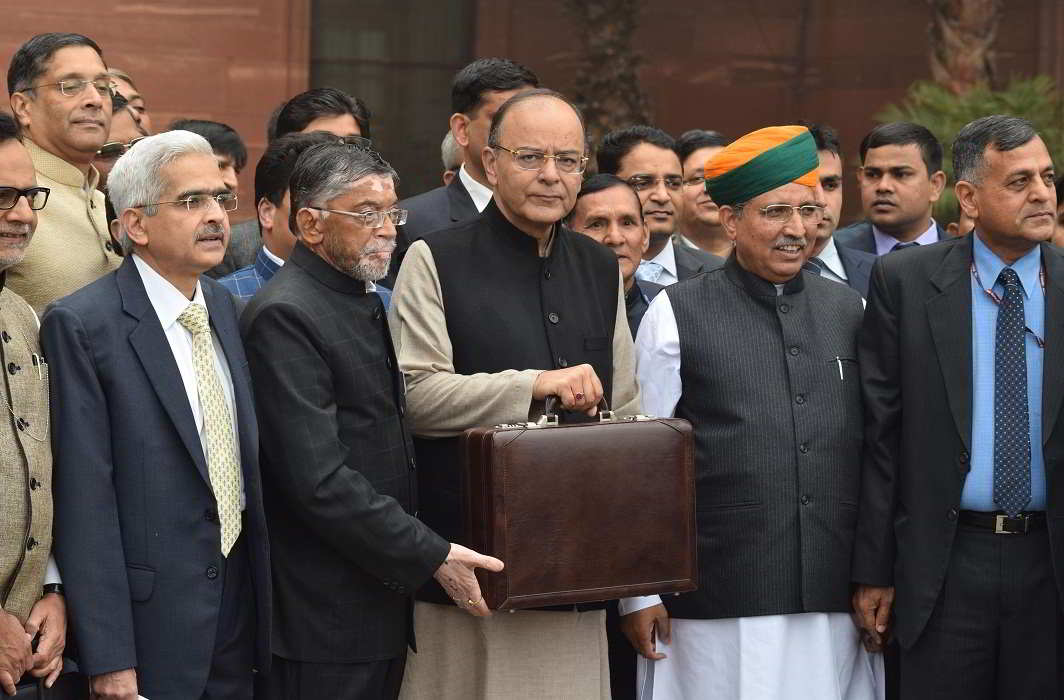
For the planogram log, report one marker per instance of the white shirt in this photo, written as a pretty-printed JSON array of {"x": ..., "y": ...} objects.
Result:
[
  {"x": 271, "y": 256},
  {"x": 168, "y": 303},
  {"x": 667, "y": 259},
  {"x": 480, "y": 194},
  {"x": 833, "y": 268},
  {"x": 886, "y": 242}
]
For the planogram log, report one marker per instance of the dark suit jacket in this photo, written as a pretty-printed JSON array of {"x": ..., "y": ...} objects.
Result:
[
  {"x": 338, "y": 467},
  {"x": 860, "y": 236},
  {"x": 858, "y": 267},
  {"x": 693, "y": 261},
  {"x": 136, "y": 527},
  {"x": 429, "y": 211},
  {"x": 916, "y": 373}
]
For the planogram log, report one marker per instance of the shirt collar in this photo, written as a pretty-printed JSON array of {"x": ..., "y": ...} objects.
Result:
[
  {"x": 989, "y": 266},
  {"x": 830, "y": 257},
  {"x": 480, "y": 194},
  {"x": 165, "y": 298},
  {"x": 55, "y": 168},
  {"x": 273, "y": 258},
  {"x": 886, "y": 242},
  {"x": 667, "y": 258}
]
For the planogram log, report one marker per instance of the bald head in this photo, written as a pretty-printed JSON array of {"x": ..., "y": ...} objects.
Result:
[{"x": 535, "y": 158}]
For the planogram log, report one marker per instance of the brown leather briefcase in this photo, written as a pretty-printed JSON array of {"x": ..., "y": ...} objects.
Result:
[{"x": 582, "y": 513}]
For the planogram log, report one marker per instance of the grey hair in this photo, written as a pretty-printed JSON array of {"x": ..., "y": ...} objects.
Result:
[
  {"x": 999, "y": 131},
  {"x": 136, "y": 178},
  {"x": 449, "y": 153},
  {"x": 327, "y": 171}
]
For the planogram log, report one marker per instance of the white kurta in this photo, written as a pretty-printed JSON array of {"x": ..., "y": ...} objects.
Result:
[{"x": 807, "y": 656}]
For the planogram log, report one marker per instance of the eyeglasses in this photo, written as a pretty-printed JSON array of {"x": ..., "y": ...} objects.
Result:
[
  {"x": 640, "y": 183},
  {"x": 371, "y": 219},
  {"x": 36, "y": 197},
  {"x": 782, "y": 213},
  {"x": 73, "y": 87},
  {"x": 113, "y": 149},
  {"x": 529, "y": 159},
  {"x": 200, "y": 202},
  {"x": 695, "y": 181}
]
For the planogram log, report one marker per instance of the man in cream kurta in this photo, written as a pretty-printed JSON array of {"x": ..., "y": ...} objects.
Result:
[{"x": 487, "y": 317}]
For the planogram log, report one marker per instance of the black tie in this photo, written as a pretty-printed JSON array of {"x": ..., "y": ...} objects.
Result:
[
  {"x": 900, "y": 246},
  {"x": 1012, "y": 433}
]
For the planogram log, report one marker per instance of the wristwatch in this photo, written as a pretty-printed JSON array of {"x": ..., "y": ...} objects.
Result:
[{"x": 54, "y": 588}]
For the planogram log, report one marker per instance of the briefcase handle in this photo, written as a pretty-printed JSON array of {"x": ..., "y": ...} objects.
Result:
[{"x": 550, "y": 414}]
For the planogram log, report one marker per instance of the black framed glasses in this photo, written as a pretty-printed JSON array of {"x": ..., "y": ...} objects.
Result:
[
  {"x": 200, "y": 202},
  {"x": 36, "y": 197},
  {"x": 531, "y": 159},
  {"x": 112, "y": 150},
  {"x": 72, "y": 87}
]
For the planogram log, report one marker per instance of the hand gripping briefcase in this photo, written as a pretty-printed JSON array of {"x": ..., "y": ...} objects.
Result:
[{"x": 584, "y": 512}]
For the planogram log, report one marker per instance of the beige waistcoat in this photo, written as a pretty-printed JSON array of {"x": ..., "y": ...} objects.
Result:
[
  {"x": 25, "y": 459},
  {"x": 72, "y": 245}
]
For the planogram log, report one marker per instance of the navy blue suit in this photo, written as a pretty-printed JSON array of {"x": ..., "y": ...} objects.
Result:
[
  {"x": 860, "y": 237},
  {"x": 858, "y": 267},
  {"x": 136, "y": 527}
]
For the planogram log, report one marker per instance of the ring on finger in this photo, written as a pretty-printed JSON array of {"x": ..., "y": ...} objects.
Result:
[{"x": 578, "y": 396}]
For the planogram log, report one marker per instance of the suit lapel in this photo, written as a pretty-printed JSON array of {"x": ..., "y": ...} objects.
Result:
[
  {"x": 949, "y": 313},
  {"x": 460, "y": 203},
  {"x": 1053, "y": 359},
  {"x": 150, "y": 343}
]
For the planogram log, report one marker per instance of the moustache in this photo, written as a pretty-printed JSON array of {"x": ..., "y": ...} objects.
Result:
[
  {"x": 372, "y": 247},
  {"x": 210, "y": 230},
  {"x": 16, "y": 229},
  {"x": 790, "y": 240}
]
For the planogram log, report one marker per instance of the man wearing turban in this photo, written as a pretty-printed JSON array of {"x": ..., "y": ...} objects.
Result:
[{"x": 761, "y": 358}]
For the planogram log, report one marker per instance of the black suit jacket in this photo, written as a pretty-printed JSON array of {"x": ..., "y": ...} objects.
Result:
[
  {"x": 858, "y": 267},
  {"x": 136, "y": 528},
  {"x": 693, "y": 261},
  {"x": 428, "y": 212},
  {"x": 338, "y": 467},
  {"x": 916, "y": 373},
  {"x": 860, "y": 236}
]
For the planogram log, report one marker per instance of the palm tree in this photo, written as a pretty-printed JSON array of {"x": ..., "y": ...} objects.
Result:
[{"x": 962, "y": 43}]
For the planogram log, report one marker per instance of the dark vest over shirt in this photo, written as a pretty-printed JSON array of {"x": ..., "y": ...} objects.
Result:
[
  {"x": 777, "y": 441},
  {"x": 508, "y": 308}
]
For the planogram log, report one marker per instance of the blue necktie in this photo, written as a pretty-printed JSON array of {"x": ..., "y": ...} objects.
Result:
[
  {"x": 1012, "y": 434},
  {"x": 649, "y": 271},
  {"x": 903, "y": 246}
]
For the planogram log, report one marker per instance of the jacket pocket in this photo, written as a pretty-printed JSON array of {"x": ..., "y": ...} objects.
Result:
[
  {"x": 141, "y": 582},
  {"x": 598, "y": 343}
]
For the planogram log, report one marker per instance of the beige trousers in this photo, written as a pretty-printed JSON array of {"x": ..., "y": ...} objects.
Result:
[{"x": 533, "y": 655}]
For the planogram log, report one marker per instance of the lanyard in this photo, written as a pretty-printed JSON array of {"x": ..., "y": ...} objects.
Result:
[{"x": 1038, "y": 340}]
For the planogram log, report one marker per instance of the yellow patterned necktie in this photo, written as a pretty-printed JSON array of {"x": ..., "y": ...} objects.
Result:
[{"x": 222, "y": 464}]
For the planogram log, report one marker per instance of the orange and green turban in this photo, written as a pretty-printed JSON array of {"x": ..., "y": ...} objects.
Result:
[{"x": 760, "y": 162}]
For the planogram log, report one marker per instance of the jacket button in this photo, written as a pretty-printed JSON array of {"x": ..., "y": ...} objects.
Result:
[
  {"x": 964, "y": 457},
  {"x": 799, "y": 399},
  {"x": 212, "y": 572},
  {"x": 413, "y": 464},
  {"x": 5, "y": 336},
  {"x": 562, "y": 362},
  {"x": 31, "y": 544},
  {"x": 388, "y": 361},
  {"x": 553, "y": 317},
  {"x": 12, "y": 368},
  {"x": 784, "y": 308},
  {"x": 546, "y": 273},
  {"x": 952, "y": 514},
  {"x": 803, "y": 448},
  {"x": 34, "y": 484},
  {"x": 377, "y": 314},
  {"x": 210, "y": 516},
  {"x": 109, "y": 246},
  {"x": 806, "y": 500},
  {"x": 402, "y": 410}
]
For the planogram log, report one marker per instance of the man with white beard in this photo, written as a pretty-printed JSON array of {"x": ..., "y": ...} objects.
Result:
[{"x": 337, "y": 457}]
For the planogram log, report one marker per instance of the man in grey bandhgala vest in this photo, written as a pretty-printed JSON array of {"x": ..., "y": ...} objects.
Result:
[{"x": 761, "y": 359}]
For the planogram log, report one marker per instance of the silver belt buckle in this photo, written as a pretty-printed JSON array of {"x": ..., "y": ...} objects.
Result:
[{"x": 999, "y": 524}]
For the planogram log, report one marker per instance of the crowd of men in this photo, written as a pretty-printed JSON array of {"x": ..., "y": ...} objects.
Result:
[{"x": 230, "y": 458}]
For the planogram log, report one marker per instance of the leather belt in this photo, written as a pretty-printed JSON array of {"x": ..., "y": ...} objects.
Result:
[{"x": 1001, "y": 524}]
